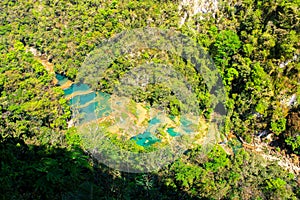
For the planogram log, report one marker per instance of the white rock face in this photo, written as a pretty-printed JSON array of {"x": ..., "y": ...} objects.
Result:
[
  {"x": 283, "y": 64},
  {"x": 292, "y": 100},
  {"x": 70, "y": 123},
  {"x": 289, "y": 101},
  {"x": 193, "y": 7},
  {"x": 34, "y": 51}
]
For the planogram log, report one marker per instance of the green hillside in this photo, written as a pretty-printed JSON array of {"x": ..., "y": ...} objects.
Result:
[{"x": 46, "y": 151}]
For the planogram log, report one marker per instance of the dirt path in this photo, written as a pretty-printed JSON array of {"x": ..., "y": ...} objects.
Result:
[{"x": 48, "y": 66}]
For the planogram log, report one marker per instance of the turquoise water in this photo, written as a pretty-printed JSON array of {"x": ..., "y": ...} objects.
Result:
[
  {"x": 101, "y": 107},
  {"x": 172, "y": 132},
  {"x": 83, "y": 99},
  {"x": 94, "y": 110},
  {"x": 76, "y": 87},
  {"x": 185, "y": 122},
  {"x": 145, "y": 139},
  {"x": 172, "y": 117},
  {"x": 88, "y": 113},
  {"x": 153, "y": 121},
  {"x": 186, "y": 125},
  {"x": 104, "y": 97},
  {"x": 61, "y": 79}
]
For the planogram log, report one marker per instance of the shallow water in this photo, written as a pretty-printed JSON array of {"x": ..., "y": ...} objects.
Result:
[
  {"x": 154, "y": 120},
  {"x": 172, "y": 132},
  {"x": 186, "y": 125},
  {"x": 61, "y": 79},
  {"x": 76, "y": 87},
  {"x": 145, "y": 139},
  {"x": 82, "y": 99},
  {"x": 94, "y": 105}
]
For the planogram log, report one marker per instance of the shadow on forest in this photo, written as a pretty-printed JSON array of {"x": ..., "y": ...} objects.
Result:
[{"x": 40, "y": 172}]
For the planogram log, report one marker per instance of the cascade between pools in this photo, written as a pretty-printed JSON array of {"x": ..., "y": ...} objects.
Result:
[{"x": 86, "y": 101}]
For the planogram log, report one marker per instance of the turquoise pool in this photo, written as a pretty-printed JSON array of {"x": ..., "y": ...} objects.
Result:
[
  {"x": 153, "y": 121},
  {"x": 61, "y": 79},
  {"x": 186, "y": 125},
  {"x": 172, "y": 132},
  {"x": 101, "y": 107},
  {"x": 145, "y": 139},
  {"x": 77, "y": 87},
  {"x": 82, "y": 99}
]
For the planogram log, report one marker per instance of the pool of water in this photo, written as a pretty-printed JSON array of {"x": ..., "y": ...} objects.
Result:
[
  {"x": 172, "y": 132},
  {"x": 104, "y": 97},
  {"x": 87, "y": 113},
  {"x": 93, "y": 111},
  {"x": 77, "y": 87},
  {"x": 186, "y": 125},
  {"x": 145, "y": 139},
  {"x": 172, "y": 117},
  {"x": 153, "y": 121},
  {"x": 82, "y": 99},
  {"x": 97, "y": 105},
  {"x": 61, "y": 79},
  {"x": 185, "y": 122}
]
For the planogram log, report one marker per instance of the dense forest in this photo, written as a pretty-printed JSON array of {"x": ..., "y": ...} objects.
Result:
[{"x": 254, "y": 45}]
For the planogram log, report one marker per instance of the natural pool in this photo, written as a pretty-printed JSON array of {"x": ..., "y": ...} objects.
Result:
[
  {"x": 61, "y": 79},
  {"x": 186, "y": 125},
  {"x": 154, "y": 120},
  {"x": 77, "y": 87},
  {"x": 94, "y": 105},
  {"x": 82, "y": 99},
  {"x": 145, "y": 139},
  {"x": 172, "y": 132}
]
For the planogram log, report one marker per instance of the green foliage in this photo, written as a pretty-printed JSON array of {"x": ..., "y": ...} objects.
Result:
[
  {"x": 292, "y": 134},
  {"x": 221, "y": 176},
  {"x": 275, "y": 184},
  {"x": 28, "y": 104},
  {"x": 39, "y": 172},
  {"x": 294, "y": 143},
  {"x": 218, "y": 160},
  {"x": 277, "y": 188},
  {"x": 278, "y": 126},
  {"x": 254, "y": 44},
  {"x": 227, "y": 44}
]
